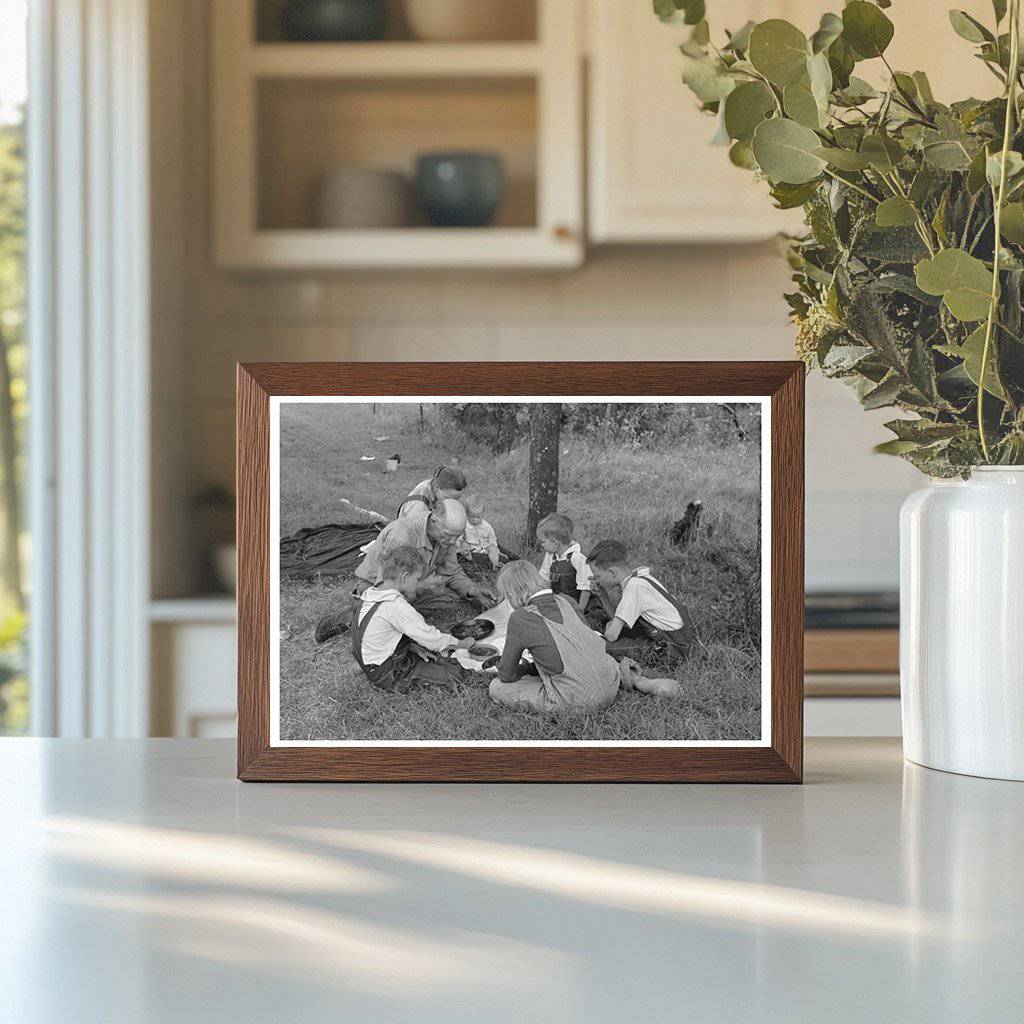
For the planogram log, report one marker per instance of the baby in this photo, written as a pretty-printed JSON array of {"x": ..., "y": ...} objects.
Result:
[
  {"x": 479, "y": 543},
  {"x": 564, "y": 567}
]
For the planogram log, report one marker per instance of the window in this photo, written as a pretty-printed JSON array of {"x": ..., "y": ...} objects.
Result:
[{"x": 14, "y": 692}]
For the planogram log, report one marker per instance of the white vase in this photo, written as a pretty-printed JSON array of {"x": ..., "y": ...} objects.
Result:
[{"x": 962, "y": 624}]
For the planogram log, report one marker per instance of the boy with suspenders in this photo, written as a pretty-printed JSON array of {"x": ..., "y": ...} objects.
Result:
[
  {"x": 645, "y": 606},
  {"x": 392, "y": 643}
]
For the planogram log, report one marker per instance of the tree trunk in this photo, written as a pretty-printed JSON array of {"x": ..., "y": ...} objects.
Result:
[
  {"x": 10, "y": 492},
  {"x": 545, "y": 426}
]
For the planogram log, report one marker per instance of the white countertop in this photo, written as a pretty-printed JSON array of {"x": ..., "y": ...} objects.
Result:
[{"x": 140, "y": 882}]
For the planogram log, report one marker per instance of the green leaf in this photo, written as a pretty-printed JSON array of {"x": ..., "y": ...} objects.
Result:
[
  {"x": 690, "y": 12},
  {"x": 976, "y": 173},
  {"x": 844, "y": 159},
  {"x": 923, "y": 431},
  {"x": 665, "y": 10},
  {"x": 895, "y": 212},
  {"x": 788, "y": 196},
  {"x": 921, "y": 370},
  {"x": 841, "y": 63},
  {"x": 707, "y": 78},
  {"x": 866, "y": 29},
  {"x": 883, "y": 152},
  {"x": 1012, "y": 224},
  {"x": 969, "y": 28},
  {"x": 741, "y": 155},
  {"x": 947, "y": 156},
  {"x": 739, "y": 41},
  {"x": 858, "y": 91},
  {"x": 971, "y": 352},
  {"x": 905, "y": 84},
  {"x": 745, "y": 108},
  {"x": 939, "y": 220},
  {"x": 999, "y": 9},
  {"x": 922, "y": 185},
  {"x": 819, "y": 74},
  {"x": 885, "y": 394},
  {"x": 701, "y": 34},
  {"x": 993, "y": 166},
  {"x": 787, "y": 151},
  {"x": 924, "y": 88},
  {"x": 829, "y": 30},
  {"x": 963, "y": 281},
  {"x": 779, "y": 51},
  {"x": 895, "y": 447},
  {"x": 889, "y": 245},
  {"x": 801, "y": 106}
]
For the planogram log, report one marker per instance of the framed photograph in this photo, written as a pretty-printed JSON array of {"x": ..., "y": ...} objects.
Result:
[{"x": 578, "y": 572}]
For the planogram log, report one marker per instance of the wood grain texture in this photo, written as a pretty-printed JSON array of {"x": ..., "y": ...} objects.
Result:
[{"x": 779, "y": 762}]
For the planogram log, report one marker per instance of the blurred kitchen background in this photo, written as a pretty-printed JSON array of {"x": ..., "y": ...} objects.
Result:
[{"x": 291, "y": 218}]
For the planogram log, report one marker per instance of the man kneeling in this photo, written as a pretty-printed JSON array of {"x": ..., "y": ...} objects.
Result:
[{"x": 393, "y": 644}]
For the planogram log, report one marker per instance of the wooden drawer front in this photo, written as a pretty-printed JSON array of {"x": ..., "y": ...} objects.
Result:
[{"x": 852, "y": 650}]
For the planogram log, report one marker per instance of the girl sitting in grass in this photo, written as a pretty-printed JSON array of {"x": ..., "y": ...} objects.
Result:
[{"x": 573, "y": 669}]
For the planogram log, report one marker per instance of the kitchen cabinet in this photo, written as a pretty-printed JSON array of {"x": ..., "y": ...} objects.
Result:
[
  {"x": 654, "y": 177},
  {"x": 287, "y": 114}
]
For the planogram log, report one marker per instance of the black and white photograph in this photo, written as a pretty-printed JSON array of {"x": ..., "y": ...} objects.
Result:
[{"x": 519, "y": 570}]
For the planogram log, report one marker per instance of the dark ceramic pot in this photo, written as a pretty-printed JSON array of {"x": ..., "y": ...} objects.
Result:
[
  {"x": 460, "y": 189},
  {"x": 334, "y": 21}
]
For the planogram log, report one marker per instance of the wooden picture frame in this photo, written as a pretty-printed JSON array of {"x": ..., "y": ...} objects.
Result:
[{"x": 778, "y": 757}]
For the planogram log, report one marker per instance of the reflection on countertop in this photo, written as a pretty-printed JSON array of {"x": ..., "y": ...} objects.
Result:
[{"x": 144, "y": 883}]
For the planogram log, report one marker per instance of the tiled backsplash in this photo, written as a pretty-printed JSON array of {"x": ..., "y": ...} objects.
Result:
[{"x": 663, "y": 304}]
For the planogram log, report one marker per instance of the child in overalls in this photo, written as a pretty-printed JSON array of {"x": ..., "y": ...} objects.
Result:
[
  {"x": 564, "y": 567},
  {"x": 397, "y": 649},
  {"x": 573, "y": 669},
  {"x": 644, "y": 607}
]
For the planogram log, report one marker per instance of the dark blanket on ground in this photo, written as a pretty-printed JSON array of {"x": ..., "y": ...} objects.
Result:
[{"x": 330, "y": 550}]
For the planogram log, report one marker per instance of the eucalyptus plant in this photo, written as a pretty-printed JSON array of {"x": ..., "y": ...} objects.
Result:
[{"x": 910, "y": 278}]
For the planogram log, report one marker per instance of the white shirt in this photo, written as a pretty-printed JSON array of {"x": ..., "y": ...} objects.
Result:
[
  {"x": 584, "y": 577},
  {"x": 394, "y": 619},
  {"x": 479, "y": 539},
  {"x": 641, "y": 601}
]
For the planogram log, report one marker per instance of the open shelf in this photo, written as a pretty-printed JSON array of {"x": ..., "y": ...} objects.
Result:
[
  {"x": 309, "y": 127},
  {"x": 390, "y": 60},
  {"x": 286, "y": 114},
  {"x": 520, "y": 23},
  {"x": 205, "y": 608}
]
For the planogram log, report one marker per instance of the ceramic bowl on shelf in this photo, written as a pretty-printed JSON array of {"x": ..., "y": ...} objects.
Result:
[
  {"x": 460, "y": 189},
  {"x": 362, "y": 197},
  {"x": 470, "y": 20},
  {"x": 334, "y": 21}
]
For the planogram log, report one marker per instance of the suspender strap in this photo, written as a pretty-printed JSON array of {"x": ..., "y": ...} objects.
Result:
[
  {"x": 360, "y": 631},
  {"x": 664, "y": 593},
  {"x": 415, "y": 497}
]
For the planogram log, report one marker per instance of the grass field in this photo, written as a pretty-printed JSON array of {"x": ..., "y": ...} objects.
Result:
[{"x": 611, "y": 488}]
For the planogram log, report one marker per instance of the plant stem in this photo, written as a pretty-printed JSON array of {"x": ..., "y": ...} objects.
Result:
[
  {"x": 1011, "y": 108},
  {"x": 853, "y": 185}
]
